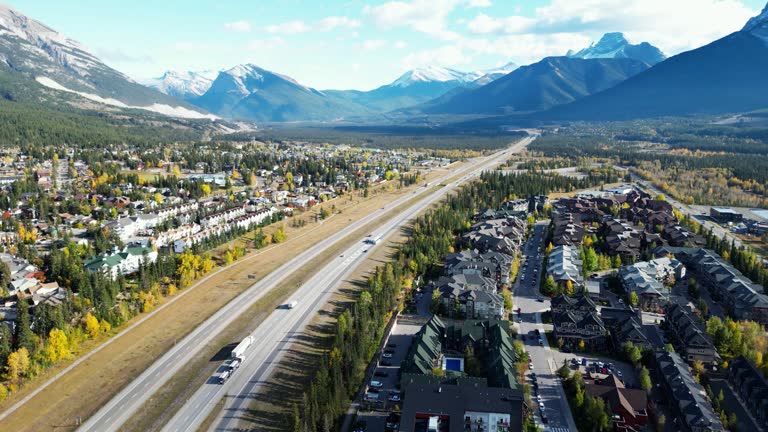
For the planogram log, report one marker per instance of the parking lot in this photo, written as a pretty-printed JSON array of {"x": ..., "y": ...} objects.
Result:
[{"x": 382, "y": 393}]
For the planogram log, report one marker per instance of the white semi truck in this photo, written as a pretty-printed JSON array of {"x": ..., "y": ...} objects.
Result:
[{"x": 239, "y": 351}]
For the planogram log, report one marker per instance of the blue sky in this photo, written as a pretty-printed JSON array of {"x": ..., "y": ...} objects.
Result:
[{"x": 363, "y": 44}]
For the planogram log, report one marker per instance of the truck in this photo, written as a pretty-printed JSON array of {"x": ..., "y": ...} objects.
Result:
[{"x": 239, "y": 350}]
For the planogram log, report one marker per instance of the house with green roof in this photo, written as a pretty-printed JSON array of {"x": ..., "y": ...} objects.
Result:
[{"x": 121, "y": 261}]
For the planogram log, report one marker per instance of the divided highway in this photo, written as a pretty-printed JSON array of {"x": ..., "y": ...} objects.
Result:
[{"x": 274, "y": 334}]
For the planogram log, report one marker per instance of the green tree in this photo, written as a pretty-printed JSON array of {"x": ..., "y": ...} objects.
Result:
[
  {"x": 633, "y": 300},
  {"x": 25, "y": 337},
  {"x": 644, "y": 379},
  {"x": 550, "y": 286},
  {"x": 564, "y": 371}
]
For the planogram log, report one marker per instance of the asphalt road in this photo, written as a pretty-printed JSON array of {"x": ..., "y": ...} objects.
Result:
[
  {"x": 273, "y": 335},
  {"x": 544, "y": 360}
]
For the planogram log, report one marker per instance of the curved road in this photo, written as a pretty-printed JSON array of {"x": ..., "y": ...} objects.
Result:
[{"x": 276, "y": 328}]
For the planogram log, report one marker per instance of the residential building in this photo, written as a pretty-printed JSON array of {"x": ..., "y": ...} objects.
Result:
[
  {"x": 752, "y": 386},
  {"x": 564, "y": 265},
  {"x": 690, "y": 337},
  {"x": 649, "y": 280},
  {"x": 121, "y": 262},
  {"x": 687, "y": 398},
  {"x": 575, "y": 320},
  {"x": 625, "y": 325},
  {"x": 629, "y": 406},
  {"x": 742, "y": 298}
]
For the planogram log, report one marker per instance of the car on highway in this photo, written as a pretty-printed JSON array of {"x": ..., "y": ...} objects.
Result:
[
  {"x": 377, "y": 384},
  {"x": 387, "y": 355},
  {"x": 291, "y": 305}
]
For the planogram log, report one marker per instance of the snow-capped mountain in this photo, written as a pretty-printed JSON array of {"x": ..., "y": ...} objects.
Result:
[
  {"x": 435, "y": 74},
  {"x": 31, "y": 51},
  {"x": 252, "y": 93},
  {"x": 758, "y": 25},
  {"x": 724, "y": 77},
  {"x": 183, "y": 84},
  {"x": 615, "y": 45},
  {"x": 495, "y": 73}
]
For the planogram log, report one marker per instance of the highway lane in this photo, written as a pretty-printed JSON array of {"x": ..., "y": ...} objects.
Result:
[
  {"x": 129, "y": 400},
  {"x": 280, "y": 329}
]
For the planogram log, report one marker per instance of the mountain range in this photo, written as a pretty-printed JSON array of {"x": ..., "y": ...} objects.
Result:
[
  {"x": 252, "y": 93},
  {"x": 610, "y": 79},
  {"x": 725, "y": 76},
  {"x": 615, "y": 45},
  {"x": 33, "y": 56}
]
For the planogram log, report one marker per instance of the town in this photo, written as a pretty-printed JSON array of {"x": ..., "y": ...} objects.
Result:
[{"x": 627, "y": 316}]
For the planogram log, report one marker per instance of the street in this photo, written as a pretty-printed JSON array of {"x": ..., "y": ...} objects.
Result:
[{"x": 532, "y": 303}]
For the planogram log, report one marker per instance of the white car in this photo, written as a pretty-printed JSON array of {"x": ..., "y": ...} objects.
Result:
[
  {"x": 539, "y": 399},
  {"x": 530, "y": 366},
  {"x": 394, "y": 398},
  {"x": 377, "y": 384},
  {"x": 541, "y": 406},
  {"x": 387, "y": 355}
]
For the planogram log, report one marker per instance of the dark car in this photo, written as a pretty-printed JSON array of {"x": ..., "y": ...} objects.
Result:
[
  {"x": 536, "y": 332},
  {"x": 380, "y": 373},
  {"x": 359, "y": 426},
  {"x": 386, "y": 363}
]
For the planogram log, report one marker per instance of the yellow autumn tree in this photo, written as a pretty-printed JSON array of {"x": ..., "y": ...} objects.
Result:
[
  {"x": 17, "y": 364},
  {"x": 57, "y": 347},
  {"x": 91, "y": 324}
]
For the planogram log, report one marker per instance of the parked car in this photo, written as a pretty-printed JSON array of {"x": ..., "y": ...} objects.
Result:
[
  {"x": 541, "y": 406},
  {"x": 394, "y": 398},
  {"x": 385, "y": 363},
  {"x": 359, "y": 426},
  {"x": 381, "y": 373},
  {"x": 387, "y": 355},
  {"x": 377, "y": 384}
]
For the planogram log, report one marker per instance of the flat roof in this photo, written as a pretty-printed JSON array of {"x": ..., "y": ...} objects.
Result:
[{"x": 725, "y": 210}]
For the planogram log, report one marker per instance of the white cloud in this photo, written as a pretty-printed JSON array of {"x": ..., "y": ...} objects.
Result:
[
  {"x": 373, "y": 44},
  {"x": 674, "y": 26},
  {"x": 191, "y": 46},
  {"x": 484, "y": 24},
  {"x": 333, "y": 22},
  {"x": 238, "y": 26},
  {"x": 425, "y": 16},
  {"x": 446, "y": 55},
  {"x": 401, "y": 44},
  {"x": 479, "y": 3},
  {"x": 289, "y": 27},
  {"x": 525, "y": 48}
]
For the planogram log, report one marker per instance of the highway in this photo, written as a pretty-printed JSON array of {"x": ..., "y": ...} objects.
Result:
[{"x": 274, "y": 333}]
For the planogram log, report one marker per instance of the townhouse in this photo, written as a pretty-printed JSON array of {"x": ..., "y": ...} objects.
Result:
[
  {"x": 575, "y": 320},
  {"x": 690, "y": 338},
  {"x": 752, "y": 386},
  {"x": 564, "y": 265},
  {"x": 687, "y": 398}
]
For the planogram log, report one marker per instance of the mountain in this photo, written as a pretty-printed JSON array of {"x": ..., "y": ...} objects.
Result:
[
  {"x": 32, "y": 54},
  {"x": 552, "y": 81},
  {"x": 494, "y": 74},
  {"x": 420, "y": 85},
  {"x": 183, "y": 84},
  {"x": 726, "y": 76},
  {"x": 615, "y": 45},
  {"x": 413, "y": 87},
  {"x": 251, "y": 93}
]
